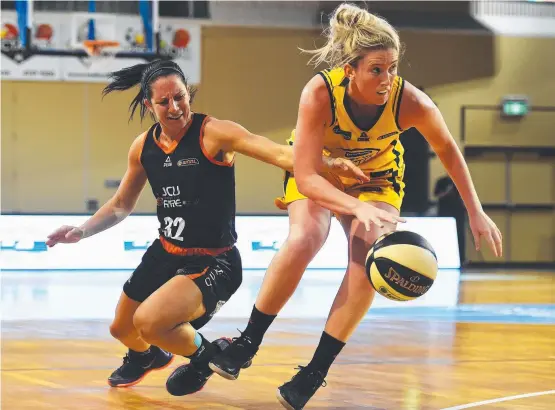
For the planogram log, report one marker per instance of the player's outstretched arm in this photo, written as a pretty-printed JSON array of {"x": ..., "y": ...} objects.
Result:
[
  {"x": 418, "y": 110},
  {"x": 116, "y": 209},
  {"x": 233, "y": 137}
]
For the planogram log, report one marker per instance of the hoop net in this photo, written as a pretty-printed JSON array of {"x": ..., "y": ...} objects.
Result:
[{"x": 100, "y": 52}]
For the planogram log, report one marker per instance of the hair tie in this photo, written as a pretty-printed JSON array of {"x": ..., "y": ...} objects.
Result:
[{"x": 146, "y": 80}]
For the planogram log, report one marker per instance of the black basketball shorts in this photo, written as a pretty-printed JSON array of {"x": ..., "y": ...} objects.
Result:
[{"x": 221, "y": 278}]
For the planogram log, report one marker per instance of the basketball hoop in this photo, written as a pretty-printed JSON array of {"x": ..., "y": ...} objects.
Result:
[
  {"x": 100, "y": 53},
  {"x": 97, "y": 47}
]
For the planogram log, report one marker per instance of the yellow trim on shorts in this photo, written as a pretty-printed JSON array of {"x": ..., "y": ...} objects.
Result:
[{"x": 382, "y": 194}]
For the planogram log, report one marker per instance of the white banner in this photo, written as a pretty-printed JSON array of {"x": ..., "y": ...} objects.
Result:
[
  {"x": 23, "y": 247},
  {"x": 180, "y": 38},
  {"x": 47, "y": 34}
]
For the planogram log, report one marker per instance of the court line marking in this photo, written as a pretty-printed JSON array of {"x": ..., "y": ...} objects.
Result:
[{"x": 499, "y": 400}]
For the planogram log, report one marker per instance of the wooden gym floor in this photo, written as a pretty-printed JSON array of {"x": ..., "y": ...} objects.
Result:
[{"x": 495, "y": 350}]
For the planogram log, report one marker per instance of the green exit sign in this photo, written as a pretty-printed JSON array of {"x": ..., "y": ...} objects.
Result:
[{"x": 514, "y": 106}]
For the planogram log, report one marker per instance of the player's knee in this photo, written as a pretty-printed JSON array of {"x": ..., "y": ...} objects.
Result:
[
  {"x": 146, "y": 326},
  {"x": 361, "y": 241},
  {"x": 119, "y": 330},
  {"x": 306, "y": 240},
  {"x": 357, "y": 275}
]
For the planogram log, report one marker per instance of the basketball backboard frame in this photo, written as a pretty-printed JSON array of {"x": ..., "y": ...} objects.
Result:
[{"x": 25, "y": 48}]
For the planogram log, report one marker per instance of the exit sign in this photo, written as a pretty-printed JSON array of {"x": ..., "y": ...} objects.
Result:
[{"x": 514, "y": 106}]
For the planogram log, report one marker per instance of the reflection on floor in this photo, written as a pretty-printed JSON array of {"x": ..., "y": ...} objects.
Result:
[{"x": 475, "y": 337}]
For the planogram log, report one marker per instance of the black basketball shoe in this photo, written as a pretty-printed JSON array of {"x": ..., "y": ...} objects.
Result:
[
  {"x": 191, "y": 378},
  {"x": 136, "y": 366},
  {"x": 294, "y": 394},
  {"x": 238, "y": 356}
]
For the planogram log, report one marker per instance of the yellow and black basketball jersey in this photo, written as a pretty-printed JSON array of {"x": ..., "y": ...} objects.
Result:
[{"x": 370, "y": 149}]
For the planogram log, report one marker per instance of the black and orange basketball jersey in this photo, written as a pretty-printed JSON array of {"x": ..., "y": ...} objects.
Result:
[
  {"x": 371, "y": 149},
  {"x": 195, "y": 195}
]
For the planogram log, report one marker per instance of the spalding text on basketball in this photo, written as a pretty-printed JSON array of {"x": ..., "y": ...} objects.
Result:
[{"x": 393, "y": 276}]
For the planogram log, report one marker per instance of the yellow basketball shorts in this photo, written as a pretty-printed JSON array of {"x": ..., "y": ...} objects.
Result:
[{"x": 384, "y": 186}]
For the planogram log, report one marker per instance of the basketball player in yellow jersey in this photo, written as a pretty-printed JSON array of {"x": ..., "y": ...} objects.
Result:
[
  {"x": 355, "y": 110},
  {"x": 371, "y": 143}
]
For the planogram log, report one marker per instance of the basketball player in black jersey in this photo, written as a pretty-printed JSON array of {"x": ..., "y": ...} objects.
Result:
[{"x": 193, "y": 268}]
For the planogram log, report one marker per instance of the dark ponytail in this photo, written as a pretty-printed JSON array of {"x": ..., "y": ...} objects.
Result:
[{"x": 144, "y": 75}]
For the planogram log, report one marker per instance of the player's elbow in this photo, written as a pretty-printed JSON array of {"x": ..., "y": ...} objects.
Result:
[
  {"x": 122, "y": 207},
  {"x": 446, "y": 149},
  {"x": 283, "y": 160},
  {"x": 305, "y": 183}
]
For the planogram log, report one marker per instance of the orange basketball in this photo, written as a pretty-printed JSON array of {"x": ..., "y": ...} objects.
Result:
[
  {"x": 45, "y": 32},
  {"x": 9, "y": 32},
  {"x": 181, "y": 38}
]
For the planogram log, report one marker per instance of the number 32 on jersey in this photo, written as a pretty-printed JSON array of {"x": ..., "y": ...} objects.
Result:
[{"x": 174, "y": 228}]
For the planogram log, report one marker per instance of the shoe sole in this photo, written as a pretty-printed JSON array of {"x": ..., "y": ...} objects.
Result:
[
  {"x": 222, "y": 373},
  {"x": 226, "y": 375},
  {"x": 143, "y": 376},
  {"x": 283, "y": 402}
]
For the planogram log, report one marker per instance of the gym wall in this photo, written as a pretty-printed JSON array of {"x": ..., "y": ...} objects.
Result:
[{"x": 61, "y": 142}]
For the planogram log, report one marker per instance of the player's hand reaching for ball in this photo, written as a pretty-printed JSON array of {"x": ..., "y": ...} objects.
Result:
[
  {"x": 65, "y": 234},
  {"x": 482, "y": 226},
  {"x": 346, "y": 168},
  {"x": 368, "y": 214}
]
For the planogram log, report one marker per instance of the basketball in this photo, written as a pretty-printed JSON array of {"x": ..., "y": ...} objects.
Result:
[
  {"x": 401, "y": 265},
  {"x": 181, "y": 38},
  {"x": 45, "y": 32}
]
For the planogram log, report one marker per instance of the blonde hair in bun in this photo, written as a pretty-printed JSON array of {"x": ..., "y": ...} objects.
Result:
[{"x": 353, "y": 32}]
